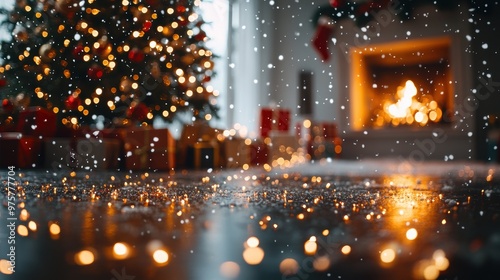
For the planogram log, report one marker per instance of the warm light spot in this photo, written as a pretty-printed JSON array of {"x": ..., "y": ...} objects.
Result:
[
  {"x": 253, "y": 242},
  {"x": 289, "y": 266},
  {"x": 443, "y": 222},
  {"x": 32, "y": 226},
  {"x": 253, "y": 256},
  {"x": 6, "y": 267},
  {"x": 431, "y": 272},
  {"x": 321, "y": 263},
  {"x": 307, "y": 123},
  {"x": 229, "y": 270},
  {"x": 84, "y": 257},
  {"x": 120, "y": 250},
  {"x": 310, "y": 247},
  {"x": 160, "y": 256},
  {"x": 346, "y": 218},
  {"x": 22, "y": 230},
  {"x": 440, "y": 260},
  {"x": 388, "y": 255},
  {"x": 54, "y": 229},
  {"x": 325, "y": 232},
  {"x": 24, "y": 215},
  {"x": 300, "y": 216},
  {"x": 346, "y": 250},
  {"x": 411, "y": 234}
]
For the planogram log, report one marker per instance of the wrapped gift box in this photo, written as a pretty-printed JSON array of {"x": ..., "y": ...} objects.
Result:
[
  {"x": 259, "y": 152},
  {"x": 20, "y": 151},
  {"x": 198, "y": 131},
  {"x": 149, "y": 149},
  {"x": 234, "y": 153},
  {"x": 82, "y": 153},
  {"x": 274, "y": 120},
  {"x": 325, "y": 130},
  {"x": 203, "y": 155},
  {"x": 37, "y": 121}
]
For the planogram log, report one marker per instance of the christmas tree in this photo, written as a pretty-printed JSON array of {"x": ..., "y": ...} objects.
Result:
[{"x": 125, "y": 60}]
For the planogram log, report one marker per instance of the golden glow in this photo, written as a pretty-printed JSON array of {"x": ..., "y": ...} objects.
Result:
[
  {"x": 24, "y": 215},
  {"x": 253, "y": 255},
  {"x": 252, "y": 242},
  {"x": 54, "y": 229},
  {"x": 84, "y": 257},
  {"x": 121, "y": 250},
  {"x": 321, "y": 263},
  {"x": 32, "y": 226},
  {"x": 22, "y": 230},
  {"x": 289, "y": 266},
  {"x": 310, "y": 247},
  {"x": 160, "y": 256},
  {"x": 6, "y": 267},
  {"x": 230, "y": 270},
  {"x": 388, "y": 255},
  {"x": 411, "y": 234},
  {"x": 407, "y": 109},
  {"x": 346, "y": 250}
]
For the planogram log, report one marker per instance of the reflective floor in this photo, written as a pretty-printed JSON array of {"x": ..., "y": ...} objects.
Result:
[{"x": 336, "y": 220}]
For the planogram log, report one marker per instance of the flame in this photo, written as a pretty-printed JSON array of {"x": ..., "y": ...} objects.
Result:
[{"x": 408, "y": 110}]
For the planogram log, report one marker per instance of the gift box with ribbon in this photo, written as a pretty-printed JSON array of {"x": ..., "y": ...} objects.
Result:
[
  {"x": 203, "y": 154},
  {"x": 274, "y": 120},
  {"x": 198, "y": 131},
  {"x": 149, "y": 149},
  {"x": 20, "y": 151},
  {"x": 36, "y": 121}
]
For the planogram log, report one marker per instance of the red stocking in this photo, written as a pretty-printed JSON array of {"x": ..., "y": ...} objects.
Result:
[{"x": 322, "y": 36}]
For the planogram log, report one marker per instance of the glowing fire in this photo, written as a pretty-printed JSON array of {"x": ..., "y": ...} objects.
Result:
[{"x": 408, "y": 110}]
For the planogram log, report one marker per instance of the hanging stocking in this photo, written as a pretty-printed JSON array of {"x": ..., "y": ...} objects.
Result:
[{"x": 322, "y": 36}]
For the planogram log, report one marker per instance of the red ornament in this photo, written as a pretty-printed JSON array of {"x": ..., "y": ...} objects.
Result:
[
  {"x": 146, "y": 26},
  {"x": 7, "y": 105},
  {"x": 73, "y": 102},
  {"x": 3, "y": 82},
  {"x": 181, "y": 9},
  {"x": 207, "y": 79},
  {"x": 136, "y": 55},
  {"x": 138, "y": 112},
  {"x": 95, "y": 72},
  {"x": 337, "y": 3},
  {"x": 152, "y": 2},
  {"x": 78, "y": 52},
  {"x": 200, "y": 36}
]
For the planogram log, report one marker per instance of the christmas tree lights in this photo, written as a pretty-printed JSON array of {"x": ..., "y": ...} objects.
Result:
[{"x": 125, "y": 60}]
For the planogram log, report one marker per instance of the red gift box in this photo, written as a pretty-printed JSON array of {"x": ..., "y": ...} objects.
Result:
[
  {"x": 148, "y": 148},
  {"x": 328, "y": 130},
  {"x": 259, "y": 153},
  {"x": 20, "y": 151},
  {"x": 37, "y": 121},
  {"x": 274, "y": 120}
]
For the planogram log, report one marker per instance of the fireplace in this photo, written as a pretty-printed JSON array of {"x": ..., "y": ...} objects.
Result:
[
  {"x": 402, "y": 98},
  {"x": 405, "y": 83}
]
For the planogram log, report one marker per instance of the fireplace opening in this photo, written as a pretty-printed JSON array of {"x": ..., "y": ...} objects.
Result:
[{"x": 402, "y": 84}]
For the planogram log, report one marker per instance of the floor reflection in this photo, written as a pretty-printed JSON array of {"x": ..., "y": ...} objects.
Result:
[{"x": 251, "y": 226}]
